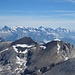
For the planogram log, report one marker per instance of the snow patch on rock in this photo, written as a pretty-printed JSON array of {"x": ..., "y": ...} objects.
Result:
[
  {"x": 23, "y": 46},
  {"x": 16, "y": 50},
  {"x": 57, "y": 40},
  {"x": 44, "y": 47},
  {"x": 58, "y": 48},
  {"x": 66, "y": 58}
]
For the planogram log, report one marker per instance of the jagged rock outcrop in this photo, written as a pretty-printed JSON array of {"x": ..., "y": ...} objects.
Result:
[
  {"x": 27, "y": 57},
  {"x": 45, "y": 58},
  {"x": 63, "y": 68}
]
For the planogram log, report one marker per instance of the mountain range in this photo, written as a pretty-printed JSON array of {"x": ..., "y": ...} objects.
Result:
[
  {"x": 27, "y": 57},
  {"x": 37, "y": 51},
  {"x": 40, "y": 34}
]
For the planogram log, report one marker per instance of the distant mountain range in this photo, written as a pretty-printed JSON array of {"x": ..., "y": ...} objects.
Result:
[{"x": 40, "y": 34}]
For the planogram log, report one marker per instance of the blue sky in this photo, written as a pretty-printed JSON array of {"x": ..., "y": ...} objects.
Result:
[{"x": 35, "y": 13}]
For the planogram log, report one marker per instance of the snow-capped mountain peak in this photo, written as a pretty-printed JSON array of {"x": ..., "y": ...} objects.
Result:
[
  {"x": 6, "y": 28},
  {"x": 38, "y": 34},
  {"x": 62, "y": 29}
]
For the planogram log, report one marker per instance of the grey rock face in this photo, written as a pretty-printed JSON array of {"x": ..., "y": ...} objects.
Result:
[
  {"x": 13, "y": 56},
  {"x": 27, "y": 57},
  {"x": 25, "y": 40},
  {"x": 63, "y": 68},
  {"x": 43, "y": 60}
]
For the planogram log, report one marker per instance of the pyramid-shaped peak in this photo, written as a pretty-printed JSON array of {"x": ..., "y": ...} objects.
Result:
[
  {"x": 6, "y": 28},
  {"x": 41, "y": 27},
  {"x": 24, "y": 40}
]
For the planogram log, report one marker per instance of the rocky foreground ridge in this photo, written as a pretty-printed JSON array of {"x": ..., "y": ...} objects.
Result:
[{"x": 27, "y": 57}]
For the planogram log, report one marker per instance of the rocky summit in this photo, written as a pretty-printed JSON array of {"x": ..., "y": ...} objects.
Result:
[{"x": 27, "y": 57}]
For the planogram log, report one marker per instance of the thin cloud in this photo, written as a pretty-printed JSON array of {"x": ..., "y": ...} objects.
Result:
[
  {"x": 73, "y": 15},
  {"x": 66, "y": 11},
  {"x": 37, "y": 12},
  {"x": 16, "y": 11},
  {"x": 57, "y": 11},
  {"x": 63, "y": 1},
  {"x": 73, "y": 1},
  {"x": 34, "y": 21}
]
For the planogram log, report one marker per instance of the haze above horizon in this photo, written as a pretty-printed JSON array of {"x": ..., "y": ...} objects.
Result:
[{"x": 35, "y": 13}]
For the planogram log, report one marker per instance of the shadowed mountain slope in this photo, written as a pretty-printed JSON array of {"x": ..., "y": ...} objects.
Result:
[{"x": 27, "y": 57}]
